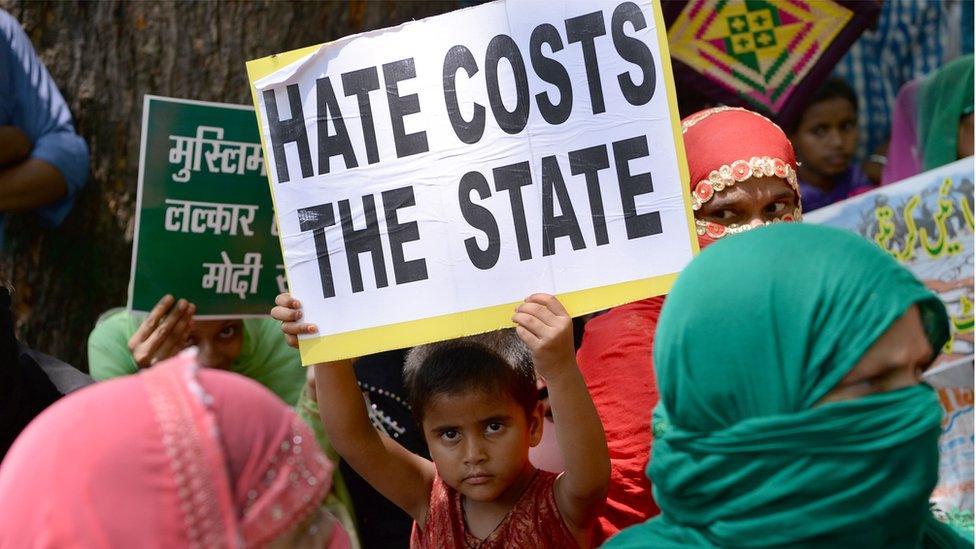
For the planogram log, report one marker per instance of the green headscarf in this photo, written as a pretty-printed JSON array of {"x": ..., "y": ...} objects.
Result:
[
  {"x": 264, "y": 356},
  {"x": 754, "y": 333},
  {"x": 943, "y": 98}
]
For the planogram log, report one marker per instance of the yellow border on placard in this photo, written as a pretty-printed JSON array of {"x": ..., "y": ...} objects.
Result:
[
  {"x": 679, "y": 141},
  {"x": 407, "y": 334}
]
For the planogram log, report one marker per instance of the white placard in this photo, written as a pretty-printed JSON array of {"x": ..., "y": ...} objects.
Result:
[{"x": 465, "y": 161}]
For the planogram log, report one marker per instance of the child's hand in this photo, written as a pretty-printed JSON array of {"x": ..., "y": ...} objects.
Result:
[
  {"x": 546, "y": 328},
  {"x": 288, "y": 311}
]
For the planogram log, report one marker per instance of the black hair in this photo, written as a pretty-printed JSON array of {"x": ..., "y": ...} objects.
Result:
[
  {"x": 832, "y": 88},
  {"x": 470, "y": 364}
]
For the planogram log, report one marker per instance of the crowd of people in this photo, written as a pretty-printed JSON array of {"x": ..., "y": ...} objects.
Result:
[{"x": 773, "y": 397}]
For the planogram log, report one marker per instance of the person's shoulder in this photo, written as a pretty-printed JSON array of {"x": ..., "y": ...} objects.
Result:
[
  {"x": 118, "y": 320},
  {"x": 10, "y": 29},
  {"x": 108, "y": 345}
]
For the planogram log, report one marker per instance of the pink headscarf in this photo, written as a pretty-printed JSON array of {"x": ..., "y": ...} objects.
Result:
[{"x": 176, "y": 456}]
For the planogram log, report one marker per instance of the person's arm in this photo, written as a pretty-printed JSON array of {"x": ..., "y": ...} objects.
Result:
[
  {"x": 30, "y": 184},
  {"x": 15, "y": 146},
  {"x": 401, "y": 476},
  {"x": 58, "y": 163},
  {"x": 547, "y": 329}
]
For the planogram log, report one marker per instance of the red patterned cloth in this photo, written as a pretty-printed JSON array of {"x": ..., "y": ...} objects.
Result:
[
  {"x": 615, "y": 360},
  {"x": 533, "y": 523}
]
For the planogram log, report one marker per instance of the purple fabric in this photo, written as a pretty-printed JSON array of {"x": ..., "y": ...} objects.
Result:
[
  {"x": 904, "y": 160},
  {"x": 851, "y": 183}
]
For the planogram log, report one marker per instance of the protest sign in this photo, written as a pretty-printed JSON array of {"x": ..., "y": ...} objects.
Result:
[
  {"x": 926, "y": 224},
  {"x": 204, "y": 223},
  {"x": 429, "y": 177}
]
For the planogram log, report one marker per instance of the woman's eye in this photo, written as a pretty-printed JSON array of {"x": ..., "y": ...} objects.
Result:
[
  {"x": 228, "y": 332},
  {"x": 493, "y": 427},
  {"x": 725, "y": 215},
  {"x": 776, "y": 208},
  {"x": 819, "y": 131}
]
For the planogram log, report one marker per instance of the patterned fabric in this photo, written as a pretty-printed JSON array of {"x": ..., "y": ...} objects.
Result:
[
  {"x": 177, "y": 456},
  {"x": 726, "y": 145},
  {"x": 758, "y": 54},
  {"x": 911, "y": 39},
  {"x": 533, "y": 523}
]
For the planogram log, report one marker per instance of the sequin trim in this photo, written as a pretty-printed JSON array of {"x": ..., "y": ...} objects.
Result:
[
  {"x": 293, "y": 486},
  {"x": 728, "y": 175},
  {"x": 717, "y": 230},
  {"x": 690, "y": 121},
  {"x": 187, "y": 457}
]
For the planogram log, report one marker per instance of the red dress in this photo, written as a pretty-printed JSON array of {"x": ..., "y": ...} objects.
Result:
[
  {"x": 533, "y": 523},
  {"x": 616, "y": 363}
]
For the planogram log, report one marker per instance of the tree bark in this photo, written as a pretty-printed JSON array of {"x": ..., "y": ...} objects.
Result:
[{"x": 104, "y": 56}]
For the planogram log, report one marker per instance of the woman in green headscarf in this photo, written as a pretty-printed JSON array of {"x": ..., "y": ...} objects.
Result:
[
  {"x": 791, "y": 414},
  {"x": 932, "y": 124},
  {"x": 122, "y": 344}
]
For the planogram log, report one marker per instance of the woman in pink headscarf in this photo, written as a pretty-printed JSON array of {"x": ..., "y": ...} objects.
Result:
[{"x": 176, "y": 456}]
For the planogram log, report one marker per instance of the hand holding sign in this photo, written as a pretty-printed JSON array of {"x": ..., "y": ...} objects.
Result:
[
  {"x": 163, "y": 333},
  {"x": 512, "y": 147},
  {"x": 288, "y": 311},
  {"x": 547, "y": 329}
]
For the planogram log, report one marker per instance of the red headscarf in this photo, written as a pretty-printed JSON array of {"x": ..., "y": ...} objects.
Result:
[
  {"x": 176, "y": 456},
  {"x": 724, "y": 146},
  {"x": 728, "y": 145}
]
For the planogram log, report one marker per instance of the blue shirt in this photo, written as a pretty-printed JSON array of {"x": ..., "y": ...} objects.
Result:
[{"x": 30, "y": 101}]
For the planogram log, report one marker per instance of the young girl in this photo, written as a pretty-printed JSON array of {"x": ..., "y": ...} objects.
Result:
[
  {"x": 825, "y": 139},
  {"x": 480, "y": 415}
]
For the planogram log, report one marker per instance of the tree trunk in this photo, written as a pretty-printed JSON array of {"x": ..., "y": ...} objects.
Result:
[{"x": 104, "y": 56}]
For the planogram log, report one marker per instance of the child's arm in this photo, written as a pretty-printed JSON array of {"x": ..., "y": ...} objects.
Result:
[
  {"x": 545, "y": 326},
  {"x": 401, "y": 476}
]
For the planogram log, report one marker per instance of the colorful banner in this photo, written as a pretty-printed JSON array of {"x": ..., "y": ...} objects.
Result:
[
  {"x": 204, "y": 222},
  {"x": 926, "y": 223},
  {"x": 429, "y": 177},
  {"x": 762, "y": 55}
]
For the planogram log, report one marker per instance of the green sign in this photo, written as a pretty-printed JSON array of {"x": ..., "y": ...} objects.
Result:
[{"x": 204, "y": 221}]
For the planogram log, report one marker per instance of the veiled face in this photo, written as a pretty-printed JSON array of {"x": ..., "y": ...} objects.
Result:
[
  {"x": 750, "y": 203},
  {"x": 894, "y": 361}
]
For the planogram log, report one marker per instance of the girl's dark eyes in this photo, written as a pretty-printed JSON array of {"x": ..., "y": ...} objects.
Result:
[
  {"x": 493, "y": 427},
  {"x": 450, "y": 436},
  {"x": 228, "y": 331}
]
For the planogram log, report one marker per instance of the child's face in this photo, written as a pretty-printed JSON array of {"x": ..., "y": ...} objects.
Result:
[
  {"x": 480, "y": 442},
  {"x": 826, "y": 138}
]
